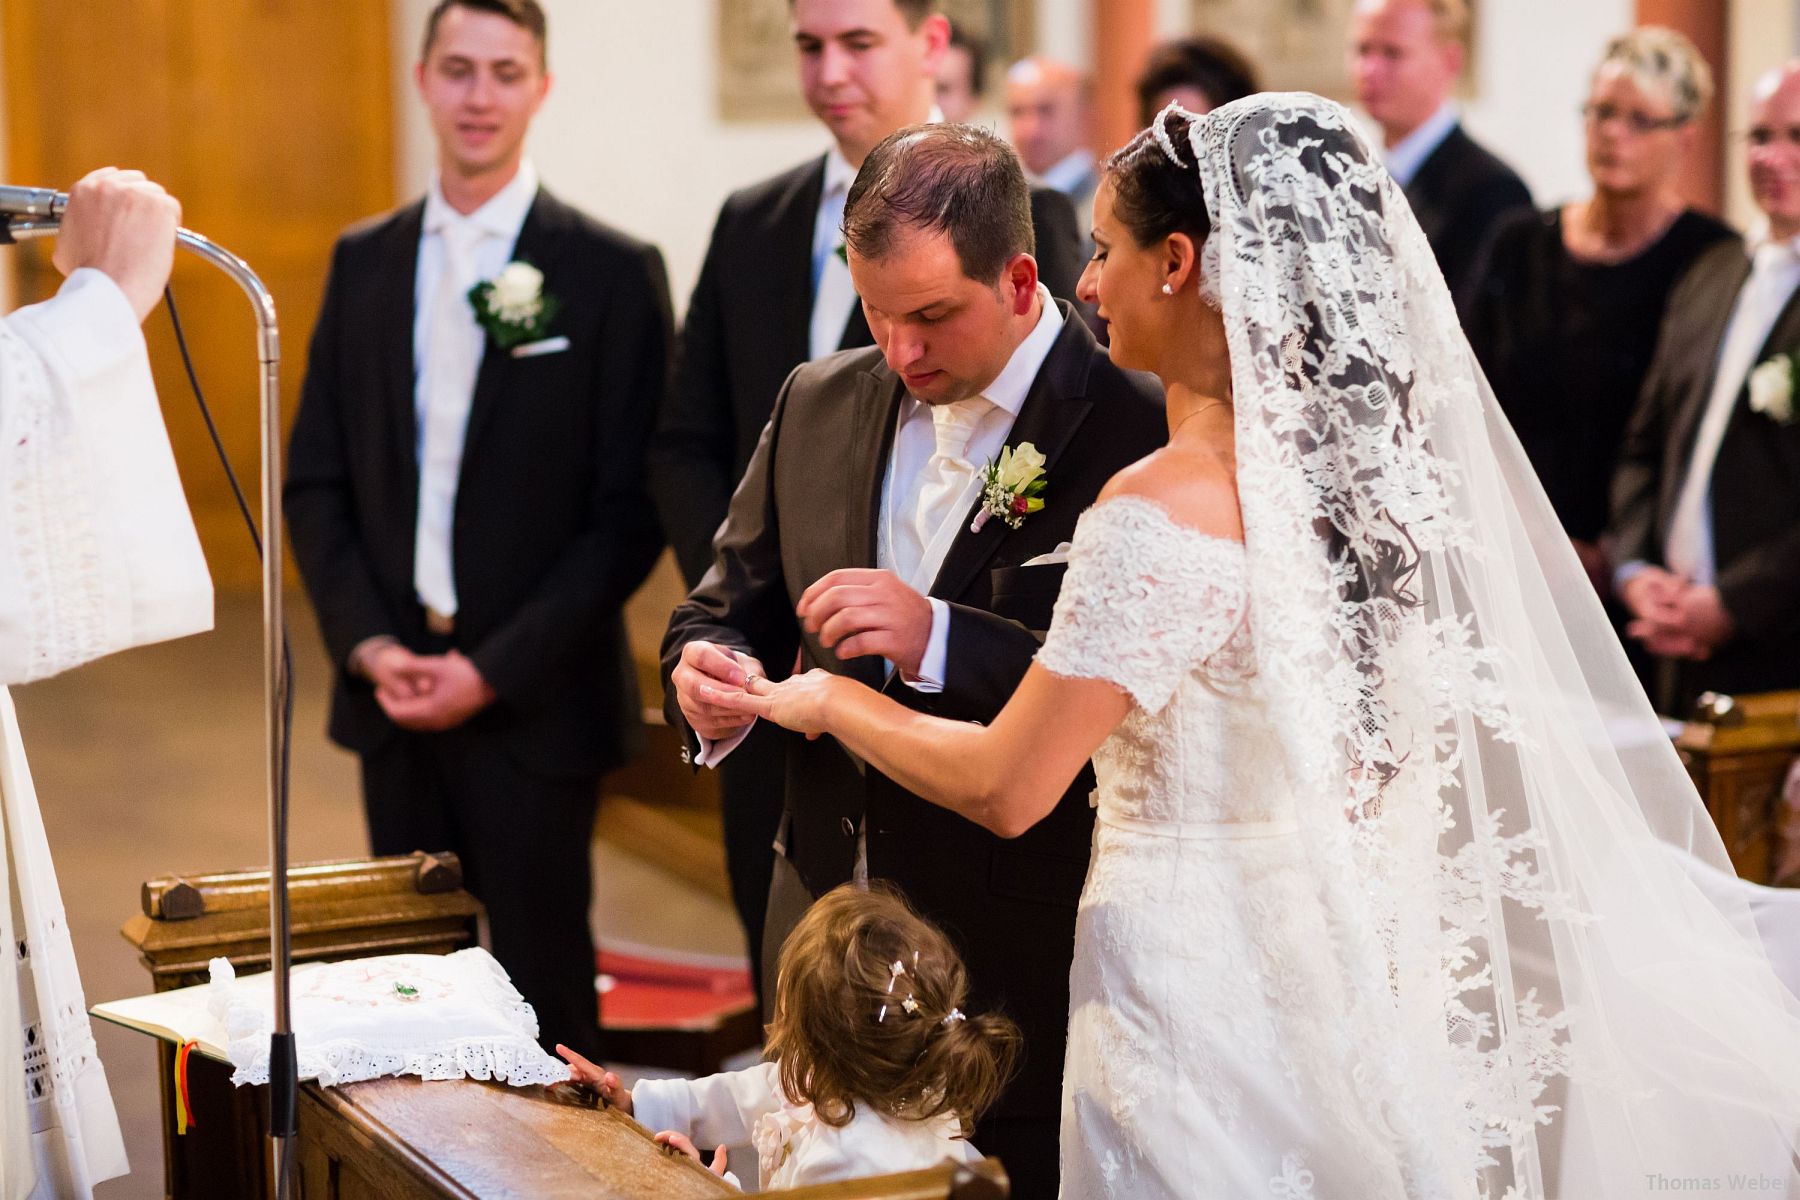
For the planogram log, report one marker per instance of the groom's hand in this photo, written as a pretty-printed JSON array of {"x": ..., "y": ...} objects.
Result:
[
  {"x": 858, "y": 611},
  {"x": 705, "y": 666}
]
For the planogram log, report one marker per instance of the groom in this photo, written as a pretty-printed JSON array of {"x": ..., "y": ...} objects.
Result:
[{"x": 860, "y": 506}]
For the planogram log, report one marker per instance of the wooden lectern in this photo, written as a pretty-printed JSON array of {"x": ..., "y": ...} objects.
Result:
[
  {"x": 1739, "y": 750},
  {"x": 402, "y": 1138}
]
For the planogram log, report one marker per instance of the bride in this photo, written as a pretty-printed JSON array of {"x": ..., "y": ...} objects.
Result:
[{"x": 1397, "y": 886}]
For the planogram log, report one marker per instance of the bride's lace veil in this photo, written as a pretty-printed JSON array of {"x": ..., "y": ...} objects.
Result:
[{"x": 1552, "y": 995}]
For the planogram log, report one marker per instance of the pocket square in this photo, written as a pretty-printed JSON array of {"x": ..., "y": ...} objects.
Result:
[
  {"x": 1054, "y": 558},
  {"x": 553, "y": 345}
]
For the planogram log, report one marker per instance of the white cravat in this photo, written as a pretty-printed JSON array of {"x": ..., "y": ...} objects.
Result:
[
  {"x": 456, "y": 251},
  {"x": 1774, "y": 274},
  {"x": 447, "y": 382},
  {"x": 943, "y": 491},
  {"x": 834, "y": 295}
]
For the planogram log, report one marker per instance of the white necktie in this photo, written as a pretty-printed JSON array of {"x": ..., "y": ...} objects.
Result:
[
  {"x": 1688, "y": 551},
  {"x": 452, "y": 357},
  {"x": 942, "y": 483},
  {"x": 836, "y": 294}
]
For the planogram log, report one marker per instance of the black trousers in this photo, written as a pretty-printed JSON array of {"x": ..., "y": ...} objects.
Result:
[
  {"x": 524, "y": 840},
  {"x": 751, "y": 780},
  {"x": 1027, "y": 1146}
]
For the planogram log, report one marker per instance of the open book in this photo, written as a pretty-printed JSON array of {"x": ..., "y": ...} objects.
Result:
[{"x": 177, "y": 1016}]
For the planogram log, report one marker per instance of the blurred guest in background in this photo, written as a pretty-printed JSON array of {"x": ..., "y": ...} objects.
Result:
[
  {"x": 1199, "y": 73},
  {"x": 962, "y": 77},
  {"x": 1405, "y": 56},
  {"x": 1050, "y": 111},
  {"x": 1706, "y": 514},
  {"x": 1563, "y": 311}
]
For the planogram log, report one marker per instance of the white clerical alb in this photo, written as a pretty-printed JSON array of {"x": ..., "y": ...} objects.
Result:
[
  {"x": 1774, "y": 274},
  {"x": 456, "y": 252},
  {"x": 97, "y": 553}
]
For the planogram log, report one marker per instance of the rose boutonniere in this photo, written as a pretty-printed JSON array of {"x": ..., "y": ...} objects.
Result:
[
  {"x": 1012, "y": 487},
  {"x": 1772, "y": 388},
  {"x": 512, "y": 306}
]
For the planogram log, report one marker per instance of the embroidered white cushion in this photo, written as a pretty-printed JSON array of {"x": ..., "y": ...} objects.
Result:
[{"x": 435, "y": 1016}]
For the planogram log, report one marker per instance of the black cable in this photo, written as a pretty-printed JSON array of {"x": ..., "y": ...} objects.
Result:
[{"x": 287, "y": 654}]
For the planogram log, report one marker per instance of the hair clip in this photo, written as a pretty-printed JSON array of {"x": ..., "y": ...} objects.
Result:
[
  {"x": 952, "y": 1017},
  {"x": 910, "y": 1005}
]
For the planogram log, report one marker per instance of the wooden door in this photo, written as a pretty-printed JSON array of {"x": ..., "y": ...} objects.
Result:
[{"x": 272, "y": 121}]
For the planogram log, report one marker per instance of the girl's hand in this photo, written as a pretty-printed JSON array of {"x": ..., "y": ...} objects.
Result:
[
  {"x": 802, "y": 703},
  {"x": 681, "y": 1144},
  {"x": 583, "y": 1071}
]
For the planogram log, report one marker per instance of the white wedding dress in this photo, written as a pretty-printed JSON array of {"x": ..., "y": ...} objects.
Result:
[
  {"x": 1205, "y": 1055},
  {"x": 1394, "y": 885}
]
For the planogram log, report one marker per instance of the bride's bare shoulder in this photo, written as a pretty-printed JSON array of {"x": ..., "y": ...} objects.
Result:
[{"x": 1197, "y": 490}]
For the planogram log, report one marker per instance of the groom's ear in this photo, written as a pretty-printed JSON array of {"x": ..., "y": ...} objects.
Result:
[{"x": 1020, "y": 278}]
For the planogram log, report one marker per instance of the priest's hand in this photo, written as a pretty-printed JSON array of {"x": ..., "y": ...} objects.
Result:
[
  {"x": 857, "y": 611},
  {"x": 122, "y": 224},
  {"x": 705, "y": 670},
  {"x": 582, "y": 1071},
  {"x": 446, "y": 690}
]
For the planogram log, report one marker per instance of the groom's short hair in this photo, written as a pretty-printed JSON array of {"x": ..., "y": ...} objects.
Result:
[
  {"x": 958, "y": 180},
  {"x": 527, "y": 14}
]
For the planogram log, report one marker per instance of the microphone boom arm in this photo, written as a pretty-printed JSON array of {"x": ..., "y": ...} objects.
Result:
[{"x": 283, "y": 1081}]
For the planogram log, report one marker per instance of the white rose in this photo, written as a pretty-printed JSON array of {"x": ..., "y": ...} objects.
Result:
[
  {"x": 1772, "y": 389},
  {"x": 516, "y": 290},
  {"x": 1019, "y": 465}
]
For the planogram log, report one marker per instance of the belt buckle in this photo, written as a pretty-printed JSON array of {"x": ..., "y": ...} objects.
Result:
[{"x": 441, "y": 624}]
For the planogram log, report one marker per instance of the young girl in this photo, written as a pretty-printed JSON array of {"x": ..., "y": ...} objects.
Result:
[{"x": 874, "y": 1067}]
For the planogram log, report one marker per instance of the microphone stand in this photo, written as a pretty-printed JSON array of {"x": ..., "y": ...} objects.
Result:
[{"x": 284, "y": 1084}]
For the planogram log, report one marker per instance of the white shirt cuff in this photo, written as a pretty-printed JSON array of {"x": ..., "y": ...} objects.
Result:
[
  {"x": 713, "y": 753},
  {"x": 1624, "y": 573},
  {"x": 930, "y": 679}
]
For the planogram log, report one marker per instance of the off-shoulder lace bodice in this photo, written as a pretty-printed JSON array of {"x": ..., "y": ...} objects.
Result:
[{"x": 1158, "y": 609}]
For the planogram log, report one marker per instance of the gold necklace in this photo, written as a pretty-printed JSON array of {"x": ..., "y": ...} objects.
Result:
[{"x": 1191, "y": 416}]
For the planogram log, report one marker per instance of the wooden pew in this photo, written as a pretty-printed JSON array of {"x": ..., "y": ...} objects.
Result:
[{"x": 1738, "y": 749}]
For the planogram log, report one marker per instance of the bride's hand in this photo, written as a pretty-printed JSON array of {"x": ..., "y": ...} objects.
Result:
[{"x": 801, "y": 703}]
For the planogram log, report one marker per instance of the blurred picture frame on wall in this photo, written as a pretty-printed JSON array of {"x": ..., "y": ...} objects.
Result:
[{"x": 757, "y": 80}]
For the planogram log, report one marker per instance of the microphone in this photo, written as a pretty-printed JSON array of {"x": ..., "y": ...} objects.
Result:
[{"x": 34, "y": 203}]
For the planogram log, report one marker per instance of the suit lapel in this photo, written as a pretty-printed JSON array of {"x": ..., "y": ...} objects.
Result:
[
  {"x": 1723, "y": 303},
  {"x": 398, "y": 308},
  {"x": 878, "y": 398},
  {"x": 1054, "y": 409},
  {"x": 536, "y": 244},
  {"x": 791, "y": 286}
]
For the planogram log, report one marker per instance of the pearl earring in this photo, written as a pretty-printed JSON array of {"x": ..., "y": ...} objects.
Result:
[{"x": 1167, "y": 290}]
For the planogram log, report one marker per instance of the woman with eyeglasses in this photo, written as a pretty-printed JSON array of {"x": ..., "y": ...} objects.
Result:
[{"x": 1565, "y": 310}]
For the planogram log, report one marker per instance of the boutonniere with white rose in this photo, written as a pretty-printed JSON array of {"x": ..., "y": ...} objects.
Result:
[
  {"x": 1012, "y": 487},
  {"x": 1772, "y": 388},
  {"x": 512, "y": 306}
]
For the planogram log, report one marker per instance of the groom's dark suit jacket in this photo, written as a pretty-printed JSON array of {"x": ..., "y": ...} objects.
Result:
[
  {"x": 553, "y": 527},
  {"x": 1755, "y": 497},
  {"x": 808, "y": 505}
]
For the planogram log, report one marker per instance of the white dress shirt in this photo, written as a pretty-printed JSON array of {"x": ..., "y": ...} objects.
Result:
[
  {"x": 1774, "y": 274},
  {"x": 440, "y": 404},
  {"x": 914, "y": 441},
  {"x": 1406, "y": 156}
]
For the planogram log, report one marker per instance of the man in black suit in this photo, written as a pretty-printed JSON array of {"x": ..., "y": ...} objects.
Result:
[
  {"x": 774, "y": 291},
  {"x": 1706, "y": 514},
  {"x": 468, "y": 509},
  {"x": 1405, "y": 58},
  {"x": 863, "y": 496}
]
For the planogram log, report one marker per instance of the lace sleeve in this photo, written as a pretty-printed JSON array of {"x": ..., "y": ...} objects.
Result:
[{"x": 1145, "y": 600}]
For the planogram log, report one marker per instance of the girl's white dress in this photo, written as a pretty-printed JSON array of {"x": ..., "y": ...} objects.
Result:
[{"x": 793, "y": 1147}]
